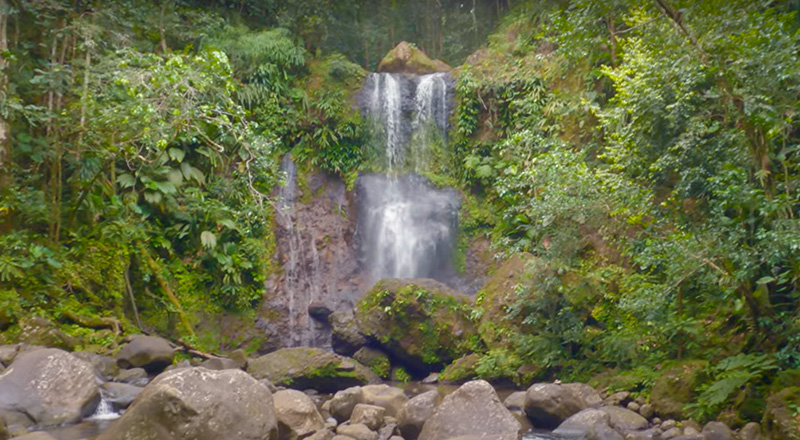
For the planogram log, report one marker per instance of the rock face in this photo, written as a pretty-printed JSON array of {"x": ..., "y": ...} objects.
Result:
[
  {"x": 675, "y": 389},
  {"x": 549, "y": 404},
  {"x": 345, "y": 337},
  {"x": 51, "y": 386},
  {"x": 199, "y": 404},
  {"x": 297, "y": 415},
  {"x": 148, "y": 352},
  {"x": 415, "y": 412},
  {"x": 422, "y": 322},
  {"x": 406, "y": 58},
  {"x": 472, "y": 410},
  {"x": 303, "y": 368},
  {"x": 779, "y": 420}
]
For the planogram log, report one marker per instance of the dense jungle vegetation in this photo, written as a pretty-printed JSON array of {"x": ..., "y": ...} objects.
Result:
[{"x": 645, "y": 154}]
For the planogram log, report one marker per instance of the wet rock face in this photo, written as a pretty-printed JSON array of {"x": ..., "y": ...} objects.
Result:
[
  {"x": 51, "y": 386},
  {"x": 472, "y": 410},
  {"x": 199, "y": 404}
]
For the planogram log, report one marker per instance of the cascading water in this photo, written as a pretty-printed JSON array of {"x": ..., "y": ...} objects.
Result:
[{"x": 406, "y": 227}]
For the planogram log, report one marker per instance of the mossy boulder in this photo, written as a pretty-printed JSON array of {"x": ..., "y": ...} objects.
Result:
[
  {"x": 375, "y": 360},
  {"x": 406, "y": 58},
  {"x": 461, "y": 370},
  {"x": 675, "y": 388},
  {"x": 421, "y": 322},
  {"x": 781, "y": 418},
  {"x": 310, "y": 368},
  {"x": 496, "y": 296}
]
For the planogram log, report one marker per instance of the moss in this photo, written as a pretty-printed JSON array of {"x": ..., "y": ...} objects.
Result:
[
  {"x": 782, "y": 416},
  {"x": 461, "y": 370},
  {"x": 375, "y": 360},
  {"x": 496, "y": 296},
  {"x": 675, "y": 388},
  {"x": 407, "y": 58},
  {"x": 399, "y": 374}
]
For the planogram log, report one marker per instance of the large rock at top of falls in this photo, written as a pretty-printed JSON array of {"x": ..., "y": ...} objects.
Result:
[
  {"x": 310, "y": 368},
  {"x": 549, "y": 404},
  {"x": 406, "y": 58},
  {"x": 421, "y": 322},
  {"x": 199, "y": 404},
  {"x": 148, "y": 352},
  {"x": 51, "y": 386},
  {"x": 472, "y": 410}
]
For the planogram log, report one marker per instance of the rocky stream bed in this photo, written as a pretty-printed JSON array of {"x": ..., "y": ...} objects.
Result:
[{"x": 299, "y": 393}]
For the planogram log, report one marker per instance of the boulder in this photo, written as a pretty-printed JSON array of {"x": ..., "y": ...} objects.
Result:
[
  {"x": 297, "y": 415},
  {"x": 346, "y": 339},
  {"x": 497, "y": 294},
  {"x": 370, "y": 416},
  {"x": 421, "y": 322},
  {"x": 461, "y": 370},
  {"x": 51, "y": 386},
  {"x": 133, "y": 376},
  {"x": 304, "y": 367},
  {"x": 105, "y": 366},
  {"x": 579, "y": 424},
  {"x": 148, "y": 352},
  {"x": 120, "y": 395},
  {"x": 602, "y": 431},
  {"x": 356, "y": 432},
  {"x": 36, "y": 435},
  {"x": 342, "y": 404},
  {"x": 7, "y": 353},
  {"x": 750, "y": 431},
  {"x": 375, "y": 360},
  {"x": 674, "y": 389},
  {"x": 16, "y": 422},
  {"x": 623, "y": 419},
  {"x": 549, "y": 404},
  {"x": 39, "y": 331},
  {"x": 4, "y": 434},
  {"x": 390, "y": 398},
  {"x": 507, "y": 436},
  {"x": 324, "y": 434},
  {"x": 646, "y": 411},
  {"x": 515, "y": 401},
  {"x": 473, "y": 409},
  {"x": 717, "y": 431},
  {"x": 415, "y": 413},
  {"x": 220, "y": 363},
  {"x": 406, "y": 58},
  {"x": 199, "y": 404}
]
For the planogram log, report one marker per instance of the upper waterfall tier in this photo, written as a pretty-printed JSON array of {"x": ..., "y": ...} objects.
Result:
[{"x": 409, "y": 114}]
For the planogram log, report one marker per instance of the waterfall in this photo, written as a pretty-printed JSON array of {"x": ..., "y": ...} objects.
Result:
[{"x": 406, "y": 226}]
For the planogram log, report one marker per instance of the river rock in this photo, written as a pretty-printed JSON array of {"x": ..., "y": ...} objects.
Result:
[
  {"x": 646, "y": 410},
  {"x": 16, "y": 422},
  {"x": 461, "y": 370},
  {"x": 51, "y": 386},
  {"x": 356, "y": 432},
  {"x": 346, "y": 339},
  {"x": 602, "y": 431},
  {"x": 750, "y": 431},
  {"x": 323, "y": 434},
  {"x": 406, "y": 58},
  {"x": 675, "y": 388},
  {"x": 105, "y": 366},
  {"x": 579, "y": 424},
  {"x": 4, "y": 434},
  {"x": 718, "y": 431},
  {"x": 390, "y": 398},
  {"x": 148, "y": 352},
  {"x": 549, "y": 404},
  {"x": 133, "y": 376},
  {"x": 7, "y": 353},
  {"x": 473, "y": 409},
  {"x": 120, "y": 395},
  {"x": 369, "y": 415},
  {"x": 779, "y": 420},
  {"x": 624, "y": 420},
  {"x": 515, "y": 401},
  {"x": 342, "y": 404},
  {"x": 37, "y": 435},
  {"x": 415, "y": 412},
  {"x": 297, "y": 415},
  {"x": 199, "y": 404},
  {"x": 304, "y": 367},
  {"x": 220, "y": 363},
  {"x": 421, "y": 322}
]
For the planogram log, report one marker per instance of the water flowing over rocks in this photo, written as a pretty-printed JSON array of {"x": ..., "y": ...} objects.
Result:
[
  {"x": 199, "y": 404},
  {"x": 473, "y": 409},
  {"x": 51, "y": 386}
]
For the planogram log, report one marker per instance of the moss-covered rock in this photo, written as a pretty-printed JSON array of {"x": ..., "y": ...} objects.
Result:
[
  {"x": 461, "y": 370},
  {"x": 310, "y": 368},
  {"x": 406, "y": 58},
  {"x": 782, "y": 417},
  {"x": 496, "y": 296},
  {"x": 421, "y": 322},
  {"x": 675, "y": 388},
  {"x": 375, "y": 360}
]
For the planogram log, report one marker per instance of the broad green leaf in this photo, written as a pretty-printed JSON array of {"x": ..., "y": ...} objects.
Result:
[
  {"x": 126, "y": 180},
  {"x": 176, "y": 154}
]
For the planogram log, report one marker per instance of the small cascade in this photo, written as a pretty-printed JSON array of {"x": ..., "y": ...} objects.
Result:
[
  {"x": 104, "y": 411},
  {"x": 406, "y": 226}
]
